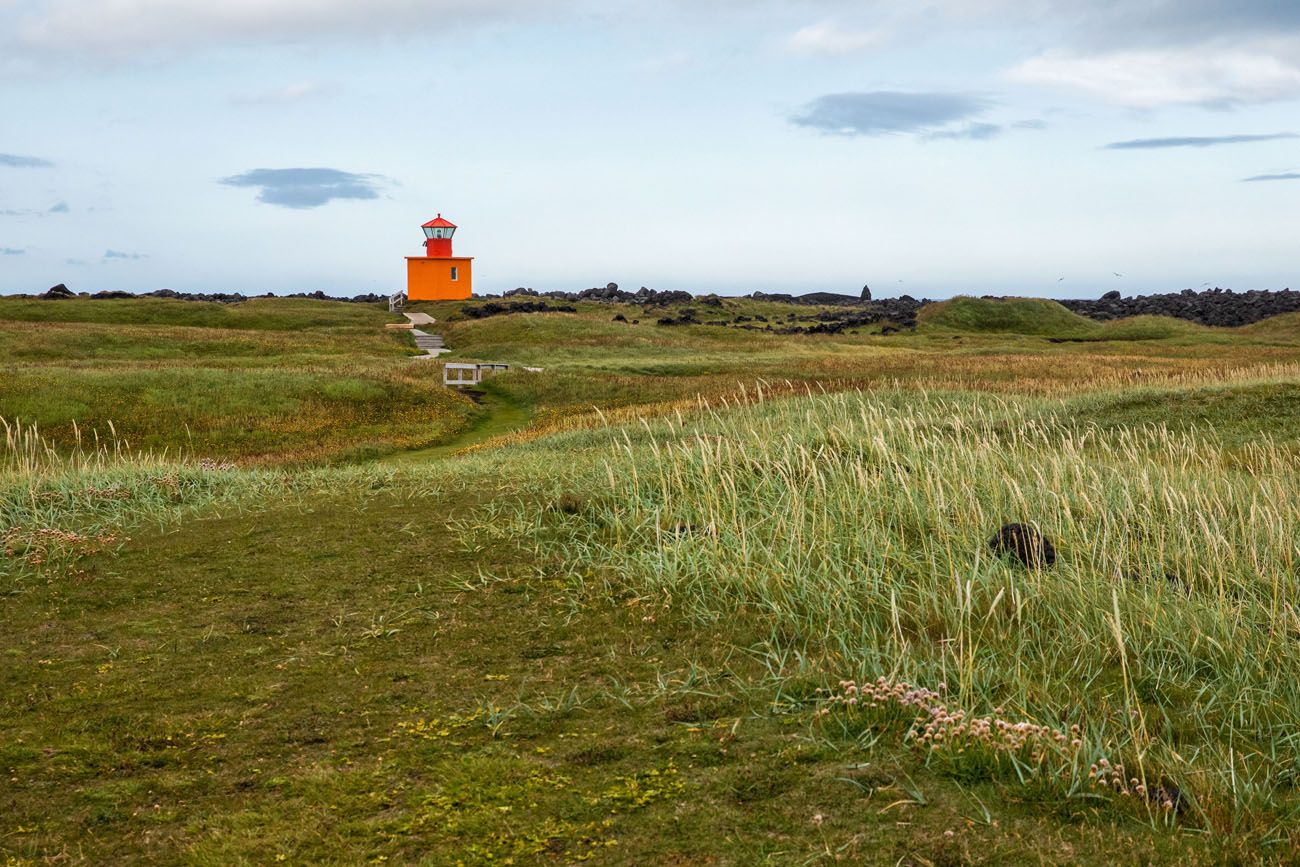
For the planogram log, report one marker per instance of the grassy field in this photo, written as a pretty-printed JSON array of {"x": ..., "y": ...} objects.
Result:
[
  {"x": 266, "y": 381},
  {"x": 694, "y": 594}
]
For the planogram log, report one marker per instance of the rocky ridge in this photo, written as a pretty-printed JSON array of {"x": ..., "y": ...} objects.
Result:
[{"x": 1218, "y": 307}]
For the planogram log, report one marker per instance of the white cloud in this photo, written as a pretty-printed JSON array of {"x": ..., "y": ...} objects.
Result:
[
  {"x": 1208, "y": 75},
  {"x": 933, "y": 116},
  {"x": 121, "y": 28},
  {"x": 829, "y": 38}
]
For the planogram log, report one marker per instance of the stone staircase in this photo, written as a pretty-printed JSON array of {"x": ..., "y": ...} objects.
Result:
[{"x": 432, "y": 344}]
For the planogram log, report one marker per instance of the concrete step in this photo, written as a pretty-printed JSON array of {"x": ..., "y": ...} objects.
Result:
[{"x": 430, "y": 343}]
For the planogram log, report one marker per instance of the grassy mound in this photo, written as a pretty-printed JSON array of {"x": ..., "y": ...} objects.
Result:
[
  {"x": 1282, "y": 327},
  {"x": 1033, "y": 316},
  {"x": 1151, "y": 328}
]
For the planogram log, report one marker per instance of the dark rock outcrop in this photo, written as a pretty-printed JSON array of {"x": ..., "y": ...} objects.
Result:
[
  {"x": 610, "y": 293},
  {"x": 492, "y": 308},
  {"x": 686, "y": 316},
  {"x": 827, "y": 298},
  {"x": 57, "y": 293},
  {"x": 1218, "y": 307},
  {"x": 219, "y": 297}
]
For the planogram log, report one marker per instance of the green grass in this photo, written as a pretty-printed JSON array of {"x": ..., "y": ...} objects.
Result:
[
  {"x": 1237, "y": 414},
  {"x": 844, "y": 536},
  {"x": 428, "y": 690},
  {"x": 1155, "y": 328},
  {"x": 604, "y": 615},
  {"x": 1283, "y": 328},
  {"x": 257, "y": 314},
  {"x": 258, "y": 414},
  {"x": 261, "y": 381},
  {"x": 270, "y": 380},
  {"x": 498, "y": 414}
]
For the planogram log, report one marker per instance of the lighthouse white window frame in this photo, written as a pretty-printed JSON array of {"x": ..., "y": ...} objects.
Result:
[{"x": 455, "y": 273}]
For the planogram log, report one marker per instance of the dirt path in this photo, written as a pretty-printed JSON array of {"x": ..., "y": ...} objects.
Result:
[{"x": 497, "y": 415}]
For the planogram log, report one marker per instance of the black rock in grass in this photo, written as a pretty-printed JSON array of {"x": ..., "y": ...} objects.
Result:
[
  {"x": 619, "y": 317},
  {"x": 1167, "y": 796},
  {"x": 569, "y": 504},
  {"x": 1026, "y": 544}
]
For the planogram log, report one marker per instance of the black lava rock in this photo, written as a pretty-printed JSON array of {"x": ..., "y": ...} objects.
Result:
[
  {"x": 492, "y": 308},
  {"x": 827, "y": 298},
  {"x": 1218, "y": 307},
  {"x": 866, "y": 294},
  {"x": 1167, "y": 796},
  {"x": 57, "y": 293},
  {"x": 686, "y": 317},
  {"x": 1026, "y": 544}
]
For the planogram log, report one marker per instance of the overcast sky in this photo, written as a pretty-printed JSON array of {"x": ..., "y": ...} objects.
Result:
[{"x": 927, "y": 147}]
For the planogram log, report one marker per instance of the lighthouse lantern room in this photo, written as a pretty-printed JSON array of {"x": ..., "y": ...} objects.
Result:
[{"x": 438, "y": 275}]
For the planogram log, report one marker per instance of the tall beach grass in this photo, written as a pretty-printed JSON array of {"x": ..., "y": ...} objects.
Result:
[{"x": 845, "y": 536}]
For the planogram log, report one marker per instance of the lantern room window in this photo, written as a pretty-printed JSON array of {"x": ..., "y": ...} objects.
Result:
[{"x": 438, "y": 232}]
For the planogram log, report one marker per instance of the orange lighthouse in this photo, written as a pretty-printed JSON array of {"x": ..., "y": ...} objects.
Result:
[{"x": 438, "y": 275}]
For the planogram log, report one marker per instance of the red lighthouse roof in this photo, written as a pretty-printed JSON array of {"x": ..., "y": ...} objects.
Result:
[{"x": 439, "y": 223}]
